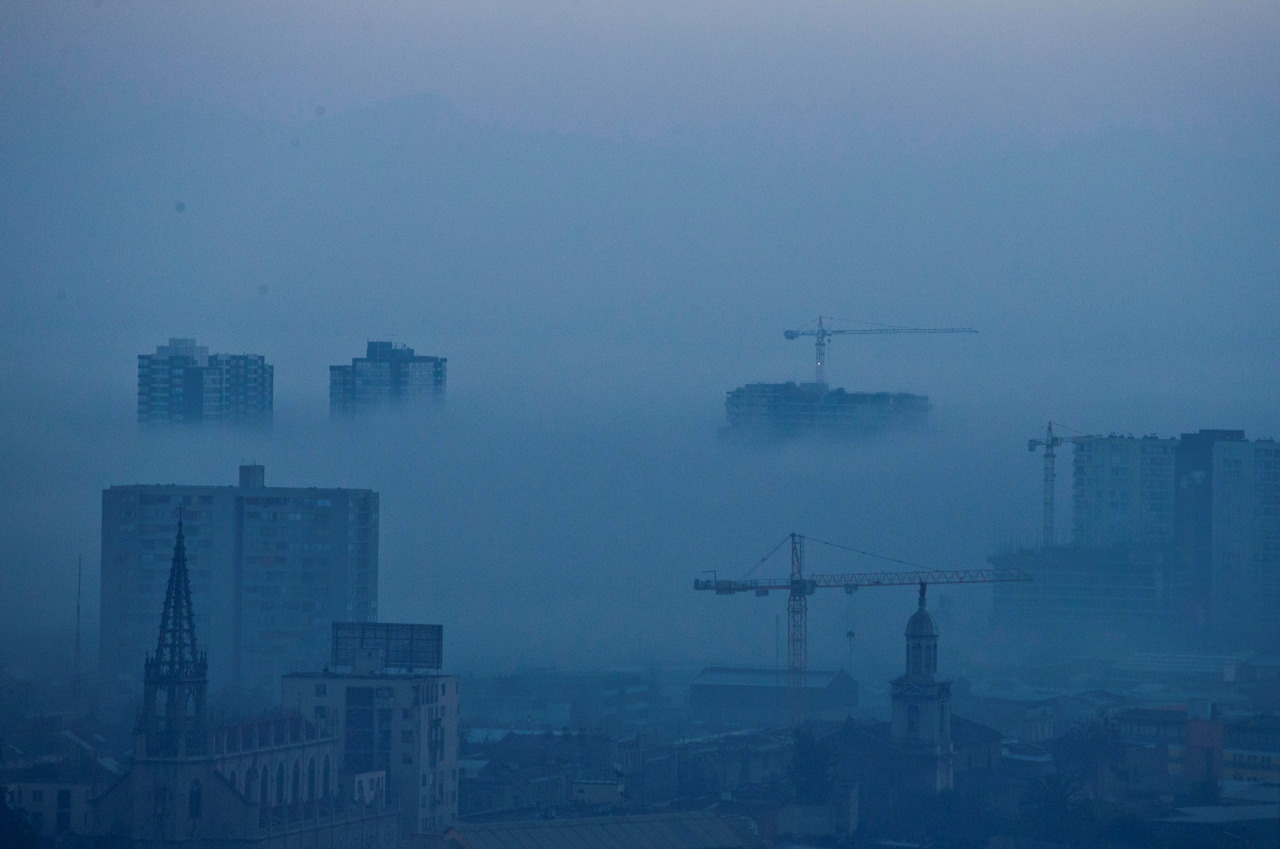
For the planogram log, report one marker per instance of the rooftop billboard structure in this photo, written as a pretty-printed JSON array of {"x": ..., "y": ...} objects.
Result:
[{"x": 387, "y": 647}]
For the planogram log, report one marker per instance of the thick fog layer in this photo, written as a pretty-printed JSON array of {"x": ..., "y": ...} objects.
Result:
[{"x": 605, "y": 217}]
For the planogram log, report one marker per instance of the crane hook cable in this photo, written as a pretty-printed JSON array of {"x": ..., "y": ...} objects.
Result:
[
  {"x": 761, "y": 561},
  {"x": 872, "y": 554}
]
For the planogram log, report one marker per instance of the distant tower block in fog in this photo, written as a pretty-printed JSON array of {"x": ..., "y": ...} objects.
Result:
[
  {"x": 183, "y": 382},
  {"x": 271, "y": 568},
  {"x": 386, "y": 375}
]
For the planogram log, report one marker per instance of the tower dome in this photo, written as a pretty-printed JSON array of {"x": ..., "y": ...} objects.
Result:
[
  {"x": 922, "y": 642},
  {"x": 922, "y": 706},
  {"x": 921, "y": 623}
]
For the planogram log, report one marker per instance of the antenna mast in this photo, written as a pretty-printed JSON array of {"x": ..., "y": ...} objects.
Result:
[{"x": 76, "y": 677}]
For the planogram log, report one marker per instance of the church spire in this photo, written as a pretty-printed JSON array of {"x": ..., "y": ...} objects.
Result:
[
  {"x": 176, "y": 678},
  {"x": 176, "y": 654}
]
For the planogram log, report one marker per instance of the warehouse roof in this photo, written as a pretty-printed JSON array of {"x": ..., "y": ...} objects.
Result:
[
  {"x": 693, "y": 830},
  {"x": 730, "y": 676}
]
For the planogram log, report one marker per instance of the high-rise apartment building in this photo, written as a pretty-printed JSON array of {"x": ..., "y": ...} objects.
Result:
[
  {"x": 1182, "y": 532},
  {"x": 1191, "y": 579},
  {"x": 271, "y": 569},
  {"x": 1244, "y": 535},
  {"x": 386, "y": 374},
  {"x": 1123, "y": 491},
  {"x": 382, "y": 693},
  {"x": 183, "y": 382}
]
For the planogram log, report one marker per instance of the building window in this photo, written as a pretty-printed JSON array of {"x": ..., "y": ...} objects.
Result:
[{"x": 322, "y": 689}]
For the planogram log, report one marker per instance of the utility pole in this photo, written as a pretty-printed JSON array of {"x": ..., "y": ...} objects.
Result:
[
  {"x": 75, "y": 695},
  {"x": 1049, "y": 443}
]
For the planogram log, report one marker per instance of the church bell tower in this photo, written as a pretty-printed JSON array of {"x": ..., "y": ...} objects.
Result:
[{"x": 921, "y": 724}]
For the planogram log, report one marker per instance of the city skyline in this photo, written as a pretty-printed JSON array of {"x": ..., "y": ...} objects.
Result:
[{"x": 504, "y": 312}]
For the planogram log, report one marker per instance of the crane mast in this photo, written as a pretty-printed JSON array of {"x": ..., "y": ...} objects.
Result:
[
  {"x": 800, "y": 587},
  {"x": 797, "y": 632},
  {"x": 1049, "y": 444},
  {"x": 822, "y": 334}
]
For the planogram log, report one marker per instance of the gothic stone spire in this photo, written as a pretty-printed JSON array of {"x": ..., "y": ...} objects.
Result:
[
  {"x": 176, "y": 678},
  {"x": 176, "y": 654}
]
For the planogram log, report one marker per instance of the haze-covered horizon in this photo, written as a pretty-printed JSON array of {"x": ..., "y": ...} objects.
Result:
[{"x": 605, "y": 217}]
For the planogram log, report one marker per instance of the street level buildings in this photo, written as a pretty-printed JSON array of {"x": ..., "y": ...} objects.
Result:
[
  {"x": 387, "y": 374},
  {"x": 726, "y": 696},
  {"x": 271, "y": 569},
  {"x": 183, "y": 382},
  {"x": 393, "y": 710}
]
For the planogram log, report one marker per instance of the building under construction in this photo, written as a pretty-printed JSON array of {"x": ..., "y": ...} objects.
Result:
[
  {"x": 1170, "y": 536},
  {"x": 795, "y": 409}
]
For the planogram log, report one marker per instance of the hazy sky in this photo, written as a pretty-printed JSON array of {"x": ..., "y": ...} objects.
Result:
[{"x": 605, "y": 215}]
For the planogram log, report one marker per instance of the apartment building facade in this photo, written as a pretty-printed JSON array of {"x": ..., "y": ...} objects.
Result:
[
  {"x": 1178, "y": 532},
  {"x": 271, "y": 569},
  {"x": 393, "y": 712},
  {"x": 387, "y": 374},
  {"x": 1122, "y": 492},
  {"x": 183, "y": 383}
]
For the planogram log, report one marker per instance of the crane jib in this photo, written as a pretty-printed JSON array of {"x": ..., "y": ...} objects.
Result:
[
  {"x": 823, "y": 333},
  {"x": 801, "y": 586},
  {"x": 807, "y": 586}
]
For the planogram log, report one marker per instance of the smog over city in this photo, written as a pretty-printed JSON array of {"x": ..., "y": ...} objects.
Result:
[{"x": 511, "y": 321}]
